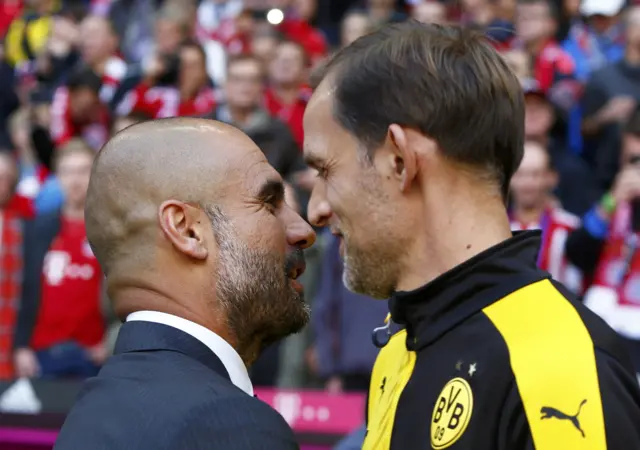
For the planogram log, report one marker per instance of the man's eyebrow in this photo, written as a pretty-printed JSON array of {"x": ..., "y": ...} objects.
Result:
[{"x": 272, "y": 191}]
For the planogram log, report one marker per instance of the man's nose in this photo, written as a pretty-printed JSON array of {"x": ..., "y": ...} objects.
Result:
[
  {"x": 299, "y": 232},
  {"x": 319, "y": 210}
]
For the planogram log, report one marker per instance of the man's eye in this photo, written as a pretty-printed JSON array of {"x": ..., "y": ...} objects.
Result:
[
  {"x": 322, "y": 172},
  {"x": 271, "y": 204}
]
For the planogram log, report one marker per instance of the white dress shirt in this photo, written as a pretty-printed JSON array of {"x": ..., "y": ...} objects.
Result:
[{"x": 226, "y": 353}]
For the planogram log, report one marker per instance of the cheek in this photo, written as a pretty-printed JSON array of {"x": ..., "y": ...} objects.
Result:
[
  {"x": 350, "y": 200},
  {"x": 262, "y": 231}
]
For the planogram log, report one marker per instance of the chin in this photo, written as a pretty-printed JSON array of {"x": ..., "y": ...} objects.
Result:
[{"x": 369, "y": 281}]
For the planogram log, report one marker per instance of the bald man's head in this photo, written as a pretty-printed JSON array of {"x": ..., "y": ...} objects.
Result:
[
  {"x": 149, "y": 163},
  {"x": 191, "y": 209}
]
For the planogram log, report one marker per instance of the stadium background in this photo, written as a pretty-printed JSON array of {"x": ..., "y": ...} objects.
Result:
[{"x": 74, "y": 72}]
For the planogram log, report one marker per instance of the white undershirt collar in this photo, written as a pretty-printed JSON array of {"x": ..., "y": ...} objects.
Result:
[{"x": 226, "y": 353}]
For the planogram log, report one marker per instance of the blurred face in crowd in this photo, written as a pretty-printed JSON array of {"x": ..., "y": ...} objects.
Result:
[
  {"x": 602, "y": 23},
  {"x": 245, "y": 23},
  {"x": 305, "y": 9},
  {"x": 264, "y": 47},
  {"x": 169, "y": 34},
  {"x": 288, "y": 65},
  {"x": 538, "y": 116},
  {"x": 534, "y": 180},
  {"x": 8, "y": 177},
  {"x": 354, "y": 26},
  {"x": 97, "y": 40},
  {"x": 381, "y": 3},
  {"x": 473, "y": 5},
  {"x": 571, "y": 8},
  {"x": 244, "y": 85},
  {"x": 429, "y": 12},
  {"x": 518, "y": 61},
  {"x": 85, "y": 105},
  {"x": 633, "y": 26},
  {"x": 534, "y": 21},
  {"x": 193, "y": 70},
  {"x": 73, "y": 171}
]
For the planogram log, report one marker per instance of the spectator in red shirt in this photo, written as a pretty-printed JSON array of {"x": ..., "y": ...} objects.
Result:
[
  {"x": 552, "y": 67},
  {"x": 60, "y": 327},
  {"x": 76, "y": 111},
  {"x": 288, "y": 95},
  {"x": 98, "y": 48},
  {"x": 534, "y": 207},
  {"x": 178, "y": 87}
]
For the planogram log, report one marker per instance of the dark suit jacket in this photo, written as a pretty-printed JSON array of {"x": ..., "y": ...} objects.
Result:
[{"x": 165, "y": 390}]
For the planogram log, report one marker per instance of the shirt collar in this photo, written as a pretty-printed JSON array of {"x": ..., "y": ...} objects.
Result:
[
  {"x": 433, "y": 309},
  {"x": 221, "y": 348}
]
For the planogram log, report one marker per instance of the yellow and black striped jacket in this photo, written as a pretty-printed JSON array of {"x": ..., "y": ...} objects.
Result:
[{"x": 495, "y": 355}]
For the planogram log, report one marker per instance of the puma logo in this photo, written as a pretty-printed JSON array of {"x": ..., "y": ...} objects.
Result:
[{"x": 549, "y": 412}]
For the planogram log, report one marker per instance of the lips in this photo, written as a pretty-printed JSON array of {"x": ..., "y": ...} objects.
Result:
[
  {"x": 337, "y": 233},
  {"x": 297, "y": 270},
  {"x": 295, "y": 265}
]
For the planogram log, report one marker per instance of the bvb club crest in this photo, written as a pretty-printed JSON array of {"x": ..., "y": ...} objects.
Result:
[{"x": 451, "y": 414}]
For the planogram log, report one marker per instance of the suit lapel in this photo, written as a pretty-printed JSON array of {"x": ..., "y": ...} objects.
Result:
[{"x": 140, "y": 336}]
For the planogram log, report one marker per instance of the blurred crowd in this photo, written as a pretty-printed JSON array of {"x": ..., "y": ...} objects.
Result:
[{"x": 74, "y": 72}]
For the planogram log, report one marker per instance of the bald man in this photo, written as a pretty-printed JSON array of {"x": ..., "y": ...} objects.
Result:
[{"x": 201, "y": 255}]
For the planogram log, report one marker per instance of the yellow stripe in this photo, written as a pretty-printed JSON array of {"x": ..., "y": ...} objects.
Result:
[
  {"x": 552, "y": 357},
  {"x": 37, "y": 32},
  {"x": 395, "y": 363}
]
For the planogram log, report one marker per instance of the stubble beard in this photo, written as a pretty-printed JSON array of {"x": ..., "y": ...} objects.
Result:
[
  {"x": 373, "y": 271},
  {"x": 260, "y": 304}
]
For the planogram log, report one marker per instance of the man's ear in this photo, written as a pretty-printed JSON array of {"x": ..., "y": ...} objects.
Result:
[
  {"x": 402, "y": 159},
  {"x": 181, "y": 226}
]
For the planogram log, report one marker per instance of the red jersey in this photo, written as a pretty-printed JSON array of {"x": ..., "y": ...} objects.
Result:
[
  {"x": 63, "y": 128},
  {"x": 70, "y": 307},
  {"x": 21, "y": 206},
  {"x": 555, "y": 71},
  {"x": 615, "y": 293},
  {"x": 291, "y": 114},
  {"x": 114, "y": 71},
  {"x": 556, "y": 224},
  {"x": 164, "y": 101}
]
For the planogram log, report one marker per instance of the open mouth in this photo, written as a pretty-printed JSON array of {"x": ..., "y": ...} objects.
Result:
[
  {"x": 295, "y": 270},
  {"x": 340, "y": 237}
]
